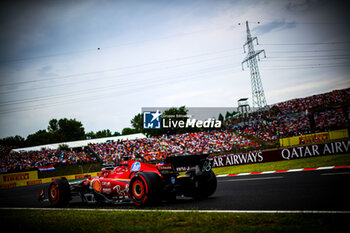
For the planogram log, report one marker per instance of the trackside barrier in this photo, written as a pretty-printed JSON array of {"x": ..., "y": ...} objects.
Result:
[
  {"x": 314, "y": 138},
  {"x": 299, "y": 152},
  {"x": 12, "y": 180}
]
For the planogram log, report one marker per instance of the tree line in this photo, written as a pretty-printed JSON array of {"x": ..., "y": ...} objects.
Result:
[
  {"x": 62, "y": 130},
  {"x": 65, "y": 130}
]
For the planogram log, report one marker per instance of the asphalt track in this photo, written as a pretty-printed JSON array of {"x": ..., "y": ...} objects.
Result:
[{"x": 318, "y": 190}]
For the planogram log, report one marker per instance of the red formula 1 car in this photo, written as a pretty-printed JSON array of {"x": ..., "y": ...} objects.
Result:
[{"x": 140, "y": 182}]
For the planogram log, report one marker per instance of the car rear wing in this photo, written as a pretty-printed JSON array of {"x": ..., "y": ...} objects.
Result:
[{"x": 200, "y": 161}]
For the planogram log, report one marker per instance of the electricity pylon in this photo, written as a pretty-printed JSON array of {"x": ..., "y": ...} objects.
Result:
[{"x": 259, "y": 100}]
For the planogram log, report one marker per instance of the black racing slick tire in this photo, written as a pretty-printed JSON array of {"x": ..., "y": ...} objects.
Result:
[
  {"x": 210, "y": 184},
  {"x": 204, "y": 185},
  {"x": 145, "y": 188},
  {"x": 59, "y": 193}
]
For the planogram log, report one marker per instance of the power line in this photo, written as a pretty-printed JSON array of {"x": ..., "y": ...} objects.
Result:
[
  {"x": 316, "y": 56},
  {"x": 308, "y": 43},
  {"x": 89, "y": 98},
  {"x": 47, "y": 56},
  {"x": 310, "y": 51},
  {"x": 284, "y": 59},
  {"x": 128, "y": 84},
  {"x": 119, "y": 68},
  {"x": 309, "y": 66},
  {"x": 302, "y": 23},
  {"x": 103, "y": 88},
  {"x": 114, "y": 77},
  {"x": 107, "y": 47},
  {"x": 142, "y": 87},
  {"x": 21, "y": 101},
  {"x": 168, "y": 60}
]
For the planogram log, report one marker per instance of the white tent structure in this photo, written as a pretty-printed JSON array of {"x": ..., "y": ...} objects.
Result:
[{"x": 81, "y": 143}]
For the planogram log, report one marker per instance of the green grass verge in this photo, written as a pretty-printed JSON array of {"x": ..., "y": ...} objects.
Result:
[
  {"x": 114, "y": 221},
  {"x": 321, "y": 161}
]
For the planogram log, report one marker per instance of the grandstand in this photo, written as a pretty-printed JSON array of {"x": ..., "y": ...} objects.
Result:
[
  {"x": 317, "y": 113},
  {"x": 29, "y": 158},
  {"x": 297, "y": 117}
]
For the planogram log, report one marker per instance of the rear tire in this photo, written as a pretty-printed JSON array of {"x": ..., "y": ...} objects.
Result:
[
  {"x": 59, "y": 193},
  {"x": 145, "y": 188},
  {"x": 210, "y": 185},
  {"x": 203, "y": 185}
]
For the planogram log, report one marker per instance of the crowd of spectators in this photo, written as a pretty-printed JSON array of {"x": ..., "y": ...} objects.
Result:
[
  {"x": 292, "y": 117},
  {"x": 157, "y": 148},
  {"x": 270, "y": 130},
  {"x": 303, "y": 104},
  {"x": 4, "y": 150},
  {"x": 28, "y": 160},
  {"x": 330, "y": 119}
]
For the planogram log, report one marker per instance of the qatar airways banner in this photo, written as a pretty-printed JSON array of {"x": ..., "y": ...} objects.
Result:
[{"x": 299, "y": 152}]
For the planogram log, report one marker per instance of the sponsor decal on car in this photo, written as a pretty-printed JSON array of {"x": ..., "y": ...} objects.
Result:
[{"x": 136, "y": 167}]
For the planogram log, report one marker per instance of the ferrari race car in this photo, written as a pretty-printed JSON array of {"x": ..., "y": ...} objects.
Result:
[{"x": 140, "y": 182}]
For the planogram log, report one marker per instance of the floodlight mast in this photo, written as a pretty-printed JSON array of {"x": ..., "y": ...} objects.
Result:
[{"x": 252, "y": 58}]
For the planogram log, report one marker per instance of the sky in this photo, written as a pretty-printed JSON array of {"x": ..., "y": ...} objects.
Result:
[{"x": 100, "y": 62}]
